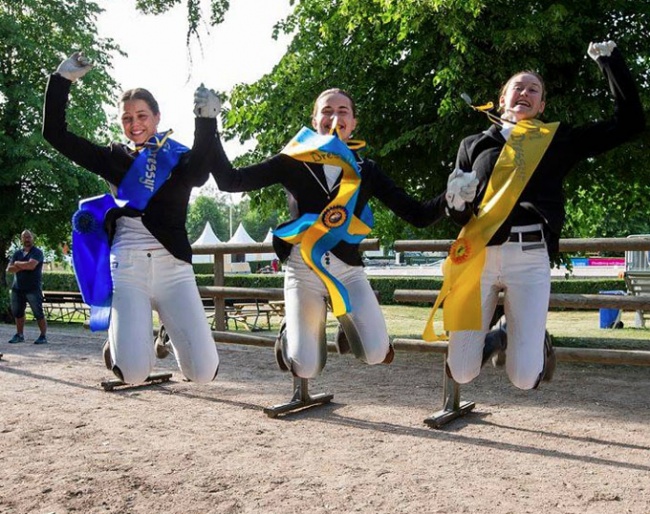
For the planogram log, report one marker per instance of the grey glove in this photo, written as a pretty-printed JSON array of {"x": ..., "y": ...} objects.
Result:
[
  {"x": 206, "y": 103},
  {"x": 461, "y": 188},
  {"x": 603, "y": 49},
  {"x": 74, "y": 67}
]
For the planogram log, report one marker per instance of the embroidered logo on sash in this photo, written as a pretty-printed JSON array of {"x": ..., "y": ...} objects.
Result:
[
  {"x": 91, "y": 245},
  {"x": 319, "y": 233},
  {"x": 462, "y": 270}
]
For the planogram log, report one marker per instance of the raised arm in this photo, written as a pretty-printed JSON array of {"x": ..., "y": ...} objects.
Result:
[
  {"x": 628, "y": 119},
  {"x": 93, "y": 157},
  {"x": 228, "y": 178},
  {"x": 460, "y": 190}
]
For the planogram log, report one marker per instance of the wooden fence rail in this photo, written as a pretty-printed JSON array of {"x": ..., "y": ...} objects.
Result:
[
  {"x": 220, "y": 295},
  {"x": 595, "y": 244},
  {"x": 566, "y": 301},
  {"x": 557, "y": 300}
]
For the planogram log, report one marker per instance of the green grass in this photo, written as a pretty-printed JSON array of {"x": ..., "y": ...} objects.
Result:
[{"x": 569, "y": 328}]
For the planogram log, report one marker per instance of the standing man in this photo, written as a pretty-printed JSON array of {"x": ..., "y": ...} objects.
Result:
[{"x": 27, "y": 266}]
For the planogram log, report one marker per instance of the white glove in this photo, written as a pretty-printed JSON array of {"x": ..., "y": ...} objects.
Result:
[
  {"x": 603, "y": 49},
  {"x": 461, "y": 188},
  {"x": 206, "y": 103},
  {"x": 74, "y": 67}
]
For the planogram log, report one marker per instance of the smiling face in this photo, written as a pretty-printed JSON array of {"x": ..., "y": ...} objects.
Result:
[
  {"x": 522, "y": 98},
  {"x": 139, "y": 122},
  {"x": 334, "y": 106}
]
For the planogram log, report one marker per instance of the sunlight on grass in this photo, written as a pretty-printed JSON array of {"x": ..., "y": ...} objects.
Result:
[{"x": 569, "y": 328}]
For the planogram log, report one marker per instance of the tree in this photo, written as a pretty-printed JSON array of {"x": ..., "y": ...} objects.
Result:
[
  {"x": 257, "y": 220},
  {"x": 208, "y": 209},
  {"x": 40, "y": 188},
  {"x": 406, "y": 64},
  {"x": 218, "y": 8}
]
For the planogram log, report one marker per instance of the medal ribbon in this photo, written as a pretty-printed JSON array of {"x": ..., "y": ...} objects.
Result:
[{"x": 319, "y": 233}]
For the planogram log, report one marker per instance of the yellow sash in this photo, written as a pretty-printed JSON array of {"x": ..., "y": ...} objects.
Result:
[{"x": 462, "y": 269}]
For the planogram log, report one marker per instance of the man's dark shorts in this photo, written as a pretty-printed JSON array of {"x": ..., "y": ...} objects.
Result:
[{"x": 20, "y": 299}]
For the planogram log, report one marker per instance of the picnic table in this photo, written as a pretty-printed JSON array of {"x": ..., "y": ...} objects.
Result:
[
  {"x": 66, "y": 306},
  {"x": 251, "y": 314}
]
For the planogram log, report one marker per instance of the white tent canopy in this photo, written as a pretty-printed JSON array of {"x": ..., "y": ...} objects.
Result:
[
  {"x": 207, "y": 237},
  {"x": 264, "y": 256},
  {"x": 241, "y": 236}
]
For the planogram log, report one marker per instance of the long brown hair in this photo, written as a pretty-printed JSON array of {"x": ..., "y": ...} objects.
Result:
[{"x": 140, "y": 93}]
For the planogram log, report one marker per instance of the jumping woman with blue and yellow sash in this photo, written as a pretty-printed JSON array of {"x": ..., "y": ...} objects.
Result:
[
  {"x": 130, "y": 248},
  {"x": 516, "y": 220},
  {"x": 328, "y": 186}
]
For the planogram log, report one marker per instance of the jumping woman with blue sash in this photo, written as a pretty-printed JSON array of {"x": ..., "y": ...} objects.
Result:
[
  {"x": 130, "y": 248},
  {"x": 328, "y": 185}
]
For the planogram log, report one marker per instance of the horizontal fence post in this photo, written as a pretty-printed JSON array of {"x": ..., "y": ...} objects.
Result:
[
  {"x": 557, "y": 300},
  {"x": 596, "y": 244},
  {"x": 219, "y": 251},
  {"x": 584, "y": 355}
]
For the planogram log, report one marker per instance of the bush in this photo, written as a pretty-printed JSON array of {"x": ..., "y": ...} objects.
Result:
[
  {"x": 5, "y": 305},
  {"x": 59, "y": 281},
  {"x": 65, "y": 281}
]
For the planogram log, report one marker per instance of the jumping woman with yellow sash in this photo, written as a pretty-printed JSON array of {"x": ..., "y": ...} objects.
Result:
[
  {"x": 516, "y": 221},
  {"x": 329, "y": 185}
]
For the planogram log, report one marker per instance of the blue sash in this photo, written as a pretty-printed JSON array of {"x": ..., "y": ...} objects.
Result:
[{"x": 90, "y": 241}]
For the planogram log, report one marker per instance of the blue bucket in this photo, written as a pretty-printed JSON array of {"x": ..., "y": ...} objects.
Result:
[{"x": 610, "y": 317}]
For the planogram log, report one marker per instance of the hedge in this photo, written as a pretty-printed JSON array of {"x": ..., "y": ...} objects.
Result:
[{"x": 65, "y": 281}]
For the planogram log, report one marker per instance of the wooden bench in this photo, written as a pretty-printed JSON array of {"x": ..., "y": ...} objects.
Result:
[
  {"x": 225, "y": 299},
  {"x": 638, "y": 284},
  {"x": 66, "y": 306}
]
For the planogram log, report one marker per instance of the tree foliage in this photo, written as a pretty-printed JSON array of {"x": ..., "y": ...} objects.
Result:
[
  {"x": 39, "y": 188},
  {"x": 406, "y": 64},
  {"x": 218, "y": 10},
  {"x": 212, "y": 209}
]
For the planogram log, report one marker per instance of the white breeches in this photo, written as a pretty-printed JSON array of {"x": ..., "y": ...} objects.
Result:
[
  {"x": 306, "y": 313},
  {"x": 154, "y": 279},
  {"x": 525, "y": 277}
]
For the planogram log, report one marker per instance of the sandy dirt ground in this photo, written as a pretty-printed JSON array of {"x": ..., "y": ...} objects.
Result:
[{"x": 580, "y": 444}]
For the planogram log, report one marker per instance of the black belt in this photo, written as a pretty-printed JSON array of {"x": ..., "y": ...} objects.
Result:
[{"x": 526, "y": 237}]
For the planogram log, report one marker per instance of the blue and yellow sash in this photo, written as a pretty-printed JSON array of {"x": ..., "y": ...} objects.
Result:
[
  {"x": 462, "y": 270},
  {"x": 90, "y": 241},
  {"x": 319, "y": 233}
]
